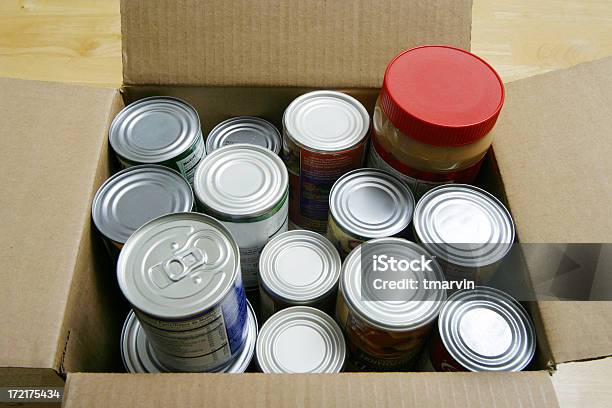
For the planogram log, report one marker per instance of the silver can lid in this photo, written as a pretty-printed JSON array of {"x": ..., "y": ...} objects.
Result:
[
  {"x": 371, "y": 203},
  {"x": 178, "y": 265},
  {"x": 139, "y": 357},
  {"x": 464, "y": 225},
  {"x": 326, "y": 121},
  {"x": 244, "y": 130},
  {"x": 241, "y": 181},
  {"x": 154, "y": 130},
  {"x": 485, "y": 329},
  {"x": 136, "y": 195},
  {"x": 421, "y": 306},
  {"x": 299, "y": 266},
  {"x": 300, "y": 339}
]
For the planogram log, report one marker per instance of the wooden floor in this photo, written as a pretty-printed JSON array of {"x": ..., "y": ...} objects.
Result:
[{"x": 80, "y": 41}]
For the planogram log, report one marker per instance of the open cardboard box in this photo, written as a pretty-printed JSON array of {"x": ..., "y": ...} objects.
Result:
[{"x": 62, "y": 311}]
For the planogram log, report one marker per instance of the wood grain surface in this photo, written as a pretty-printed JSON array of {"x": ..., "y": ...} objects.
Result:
[{"x": 80, "y": 41}]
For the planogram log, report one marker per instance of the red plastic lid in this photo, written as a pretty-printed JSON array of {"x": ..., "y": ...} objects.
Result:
[{"x": 441, "y": 95}]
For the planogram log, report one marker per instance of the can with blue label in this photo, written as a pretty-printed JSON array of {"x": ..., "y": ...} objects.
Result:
[{"x": 181, "y": 273}]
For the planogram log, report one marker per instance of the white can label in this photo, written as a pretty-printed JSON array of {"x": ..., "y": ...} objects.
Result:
[
  {"x": 251, "y": 237},
  {"x": 187, "y": 166}
]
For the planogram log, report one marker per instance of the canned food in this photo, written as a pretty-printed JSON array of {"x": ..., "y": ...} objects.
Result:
[
  {"x": 300, "y": 339},
  {"x": 181, "y": 273},
  {"x": 366, "y": 204},
  {"x": 246, "y": 188},
  {"x": 158, "y": 130},
  {"x": 482, "y": 329},
  {"x": 324, "y": 136},
  {"x": 298, "y": 268},
  {"x": 134, "y": 196},
  {"x": 467, "y": 229},
  {"x": 386, "y": 335},
  {"x": 139, "y": 357},
  {"x": 244, "y": 130}
]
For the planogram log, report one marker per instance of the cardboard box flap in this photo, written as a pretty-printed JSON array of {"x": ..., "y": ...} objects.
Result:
[
  {"x": 280, "y": 42},
  {"x": 553, "y": 148},
  {"x": 350, "y": 390},
  {"x": 52, "y": 135}
]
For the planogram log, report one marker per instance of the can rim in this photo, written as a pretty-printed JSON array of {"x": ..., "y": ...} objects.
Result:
[
  {"x": 272, "y": 281},
  {"x": 297, "y": 136},
  {"x": 523, "y": 345},
  {"x": 217, "y": 136},
  {"x": 314, "y": 319},
  {"x": 97, "y": 216},
  {"x": 227, "y": 205},
  {"x": 138, "y": 356},
  {"x": 349, "y": 222},
  {"x": 467, "y": 254},
  {"x": 380, "y": 314},
  {"x": 116, "y": 138},
  {"x": 152, "y": 307}
]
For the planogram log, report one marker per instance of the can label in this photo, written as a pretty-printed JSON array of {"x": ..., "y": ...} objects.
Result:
[
  {"x": 419, "y": 181},
  {"x": 252, "y": 236},
  {"x": 185, "y": 163},
  {"x": 438, "y": 357},
  {"x": 343, "y": 242},
  {"x": 374, "y": 349},
  {"x": 208, "y": 340},
  {"x": 311, "y": 177}
]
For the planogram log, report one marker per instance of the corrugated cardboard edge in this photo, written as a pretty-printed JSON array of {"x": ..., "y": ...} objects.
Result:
[
  {"x": 280, "y": 42},
  {"x": 350, "y": 390},
  {"x": 82, "y": 319}
]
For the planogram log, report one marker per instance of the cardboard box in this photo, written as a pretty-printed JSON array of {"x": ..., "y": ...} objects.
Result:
[{"x": 62, "y": 308}]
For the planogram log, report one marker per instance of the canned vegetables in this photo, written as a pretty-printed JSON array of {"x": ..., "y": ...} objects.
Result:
[
  {"x": 300, "y": 339},
  {"x": 298, "y": 268},
  {"x": 181, "y": 274},
  {"x": 324, "y": 136},
  {"x": 158, "y": 130},
  {"x": 244, "y": 130},
  {"x": 482, "y": 329},
  {"x": 467, "y": 229},
  {"x": 366, "y": 204},
  {"x": 246, "y": 188}
]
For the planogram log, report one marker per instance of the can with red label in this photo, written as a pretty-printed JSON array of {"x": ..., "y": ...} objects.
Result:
[
  {"x": 481, "y": 329},
  {"x": 325, "y": 135}
]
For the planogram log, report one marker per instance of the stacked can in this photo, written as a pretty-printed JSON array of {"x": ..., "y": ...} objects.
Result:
[
  {"x": 134, "y": 196},
  {"x": 298, "y": 268},
  {"x": 366, "y": 204},
  {"x": 244, "y": 130},
  {"x": 139, "y": 357},
  {"x": 483, "y": 329},
  {"x": 246, "y": 188},
  {"x": 325, "y": 135},
  {"x": 158, "y": 130},
  {"x": 467, "y": 229},
  {"x": 382, "y": 334},
  {"x": 181, "y": 274},
  {"x": 300, "y": 339}
]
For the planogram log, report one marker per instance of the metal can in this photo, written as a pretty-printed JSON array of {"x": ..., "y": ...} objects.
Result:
[
  {"x": 139, "y": 357},
  {"x": 244, "y": 130},
  {"x": 158, "y": 130},
  {"x": 134, "y": 196},
  {"x": 298, "y": 268},
  {"x": 325, "y": 135},
  {"x": 482, "y": 329},
  {"x": 300, "y": 339},
  {"x": 181, "y": 273},
  {"x": 385, "y": 335},
  {"x": 365, "y": 204},
  {"x": 246, "y": 188},
  {"x": 467, "y": 229}
]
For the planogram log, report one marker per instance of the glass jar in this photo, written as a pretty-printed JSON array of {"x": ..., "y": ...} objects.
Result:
[{"x": 433, "y": 118}]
